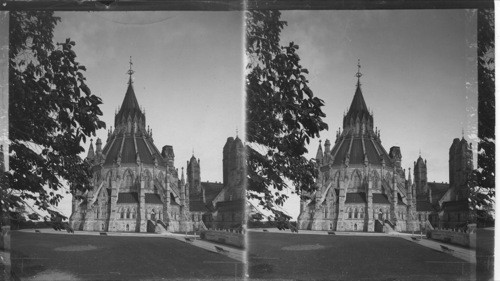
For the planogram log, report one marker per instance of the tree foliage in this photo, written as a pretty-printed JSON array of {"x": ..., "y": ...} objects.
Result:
[
  {"x": 51, "y": 111},
  {"x": 282, "y": 114},
  {"x": 484, "y": 176}
]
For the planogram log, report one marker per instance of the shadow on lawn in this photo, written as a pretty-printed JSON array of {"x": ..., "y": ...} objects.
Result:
[
  {"x": 23, "y": 266},
  {"x": 260, "y": 270}
]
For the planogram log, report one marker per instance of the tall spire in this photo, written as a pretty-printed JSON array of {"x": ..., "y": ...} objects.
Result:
[
  {"x": 359, "y": 74},
  {"x": 130, "y": 71},
  {"x": 130, "y": 106}
]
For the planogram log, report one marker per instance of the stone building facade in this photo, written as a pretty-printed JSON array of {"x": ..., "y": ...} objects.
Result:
[
  {"x": 216, "y": 204},
  {"x": 135, "y": 186},
  {"x": 445, "y": 205},
  {"x": 361, "y": 187}
]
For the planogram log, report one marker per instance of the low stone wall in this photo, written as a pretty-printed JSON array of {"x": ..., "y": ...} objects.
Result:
[
  {"x": 454, "y": 237},
  {"x": 236, "y": 239}
]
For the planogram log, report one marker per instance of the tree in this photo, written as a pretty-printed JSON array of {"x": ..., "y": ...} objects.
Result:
[
  {"x": 483, "y": 181},
  {"x": 51, "y": 111},
  {"x": 282, "y": 115}
]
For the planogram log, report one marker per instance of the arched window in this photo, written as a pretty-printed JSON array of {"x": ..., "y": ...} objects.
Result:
[
  {"x": 326, "y": 212},
  {"x": 362, "y": 213},
  {"x": 133, "y": 213},
  {"x": 350, "y": 213},
  {"x": 128, "y": 213},
  {"x": 356, "y": 213},
  {"x": 127, "y": 228},
  {"x": 97, "y": 213},
  {"x": 122, "y": 213}
]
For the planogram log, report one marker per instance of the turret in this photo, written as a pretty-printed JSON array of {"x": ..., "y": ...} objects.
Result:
[
  {"x": 193, "y": 175},
  {"x": 98, "y": 146},
  {"x": 395, "y": 155},
  {"x": 90, "y": 153},
  {"x": 167, "y": 153},
  {"x": 420, "y": 175},
  {"x": 225, "y": 159},
  {"x": 327, "y": 147},
  {"x": 319, "y": 153}
]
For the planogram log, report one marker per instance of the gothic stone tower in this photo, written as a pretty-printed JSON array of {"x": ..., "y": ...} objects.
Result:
[
  {"x": 233, "y": 168},
  {"x": 460, "y": 168},
  {"x": 135, "y": 187},
  {"x": 420, "y": 176},
  {"x": 193, "y": 176},
  {"x": 360, "y": 187}
]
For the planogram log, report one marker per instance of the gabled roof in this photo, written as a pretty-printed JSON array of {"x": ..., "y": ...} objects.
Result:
[
  {"x": 212, "y": 189},
  {"x": 359, "y": 197},
  {"x": 152, "y": 198},
  {"x": 438, "y": 190},
  {"x": 231, "y": 206},
  {"x": 127, "y": 197},
  {"x": 424, "y": 206},
  {"x": 380, "y": 198},
  {"x": 197, "y": 206},
  {"x": 455, "y": 206}
]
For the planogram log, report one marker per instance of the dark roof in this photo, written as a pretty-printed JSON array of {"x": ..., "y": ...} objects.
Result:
[
  {"x": 359, "y": 197},
  {"x": 212, "y": 189},
  {"x": 152, "y": 198},
  {"x": 424, "y": 206},
  {"x": 130, "y": 106},
  {"x": 438, "y": 190},
  {"x": 380, "y": 198},
  {"x": 197, "y": 206},
  {"x": 456, "y": 206},
  {"x": 127, "y": 197},
  {"x": 358, "y": 104},
  {"x": 372, "y": 149},
  {"x": 129, "y": 153},
  {"x": 231, "y": 206},
  {"x": 400, "y": 200}
]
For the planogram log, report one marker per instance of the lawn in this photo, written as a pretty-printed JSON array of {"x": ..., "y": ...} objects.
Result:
[
  {"x": 323, "y": 257},
  {"x": 79, "y": 257}
]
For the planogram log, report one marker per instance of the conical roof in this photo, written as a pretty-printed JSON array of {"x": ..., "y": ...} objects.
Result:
[
  {"x": 130, "y": 106},
  {"x": 358, "y": 108},
  {"x": 358, "y": 102}
]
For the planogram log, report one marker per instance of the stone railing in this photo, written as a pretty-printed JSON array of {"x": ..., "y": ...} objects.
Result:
[
  {"x": 229, "y": 237},
  {"x": 460, "y": 237}
]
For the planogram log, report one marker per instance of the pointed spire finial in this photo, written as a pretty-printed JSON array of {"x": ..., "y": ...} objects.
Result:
[
  {"x": 359, "y": 74},
  {"x": 419, "y": 152},
  {"x": 130, "y": 71},
  {"x": 462, "y": 132}
]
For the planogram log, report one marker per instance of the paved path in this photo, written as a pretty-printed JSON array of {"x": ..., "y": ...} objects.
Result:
[
  {"x": 231, "y": 252},
  {"x": 462, "y": 253}
]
